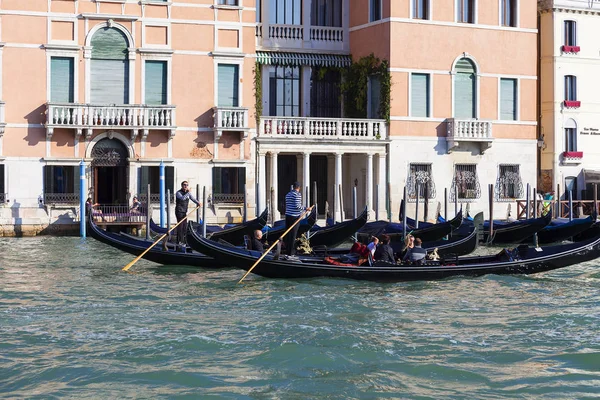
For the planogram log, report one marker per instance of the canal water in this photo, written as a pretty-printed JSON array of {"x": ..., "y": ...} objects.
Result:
[{"x": 73, "y": 325}]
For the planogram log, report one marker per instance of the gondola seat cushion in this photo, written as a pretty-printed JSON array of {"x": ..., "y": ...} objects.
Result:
[{"x": 333, "y": 261}]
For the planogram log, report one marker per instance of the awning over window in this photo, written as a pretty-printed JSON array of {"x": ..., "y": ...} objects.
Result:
[
  {"x": 299, "y": 59},
  {"x": 591, "y": 176}
]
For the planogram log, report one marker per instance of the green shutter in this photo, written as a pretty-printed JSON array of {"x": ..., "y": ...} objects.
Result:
[
  {"x": 144, "y": 180},
  {"x": 464, "y": 87},
  {"x": 156, "y": 82},
  {"x": 62, "y": 79},
  {"x": 48, "y": 183},
  {"x": 170, "y": 180},
  {"x": 419, "y": 95},
  {"x": 110, "y": 67},
  {"x": 508, "y": 99},
  {"x": 241, "y": 172},
  {"x": 228, "y": 85},
  {"x": 216, "y": 180}
]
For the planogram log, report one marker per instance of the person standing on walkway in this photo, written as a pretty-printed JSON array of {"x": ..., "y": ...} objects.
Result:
[
  {"x": 182, "y": 200},
  {"x": 293, "y": 210}
]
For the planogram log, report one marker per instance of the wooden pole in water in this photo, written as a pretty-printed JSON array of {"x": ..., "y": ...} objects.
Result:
[
  {"x": 245, "y": 206},
  {"x": 168, "y": 205},
  {"x": 203, "y": 211},
  {"x": 404, "y": 214},
  {"x": 273, "y": 205},
  {"x": 446, "y": 204},
  {"x": 417, "y": 209},
  {"x": 491, "y": 205},
  {"x": 341, "y": 204},
  {"x": 334, "y": 205},
  {"x": 314, "y": 196},
  {"x": 389, "y": 201},
  {"x": 535, "y": 203},
  {"x": 377, "y": 202},
  {"x": 455, "y": 201},
  {"x": 148, "y": 212},
  {"x": 354, "y": 202},
  {"x": 557, "y": 201},
  {"x": 570, "y": 205},
  {"x": 527, "y": 200},
  {"x": 426, "y": 204},
  {"x": 595, "y": 209},
  {"x": 197, "y": 197}
]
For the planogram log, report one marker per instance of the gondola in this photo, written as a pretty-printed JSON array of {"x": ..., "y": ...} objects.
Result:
[
  {"x": 589, "y": 233},
  {"x": 172, "y": 256},
  {"x": 394, "y": 230},
  {"x": 306, "y": 224},
  {"x": 514, "y": 232},
  {"x": 523, "y": 260},
  {"x": 336, "y": 234},
  {"x": 561, "y": 230},
  {"x": 457, "y": 245},
  {"x": 233, "y": 234}
]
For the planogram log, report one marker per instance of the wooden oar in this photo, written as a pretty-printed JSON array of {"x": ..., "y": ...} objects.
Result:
[
  {"x": 125, "y": 268},
  {"x": 275, "y": 243}
]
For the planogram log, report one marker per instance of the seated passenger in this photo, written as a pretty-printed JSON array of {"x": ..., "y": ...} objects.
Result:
[
  {"x": 256, "y": 243},
  {"x": 372, "y": 246},
  {"x": 417, "y": 254},
  {"x": 384, "y": 251}
]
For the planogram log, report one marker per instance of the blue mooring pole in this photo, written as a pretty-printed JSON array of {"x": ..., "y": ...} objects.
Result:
[
  {"x": 161, "y": 192},
  {"x": 82, "y": 210}
]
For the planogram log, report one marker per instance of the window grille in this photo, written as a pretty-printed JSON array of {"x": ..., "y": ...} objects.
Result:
[
  {"x": 509, "y": 185},
  {"x": 465, "y": 182},
  {"x": 420, "y": 177}
]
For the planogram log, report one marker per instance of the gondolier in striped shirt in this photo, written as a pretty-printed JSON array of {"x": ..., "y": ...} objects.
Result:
[
  {"x": 182, "y": 199},
  {"x": 293, "y": 210}
]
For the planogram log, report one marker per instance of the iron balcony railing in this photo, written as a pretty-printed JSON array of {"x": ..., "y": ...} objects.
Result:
[
  {"x": 61, "y": 199},
  {"x": 322, "y": 128},
  {"x": 117, "y": 214},
  {"x": 155, "y": 198},
  {"x": 228, "y": 198},
  {"x": 72, "y": 115}
]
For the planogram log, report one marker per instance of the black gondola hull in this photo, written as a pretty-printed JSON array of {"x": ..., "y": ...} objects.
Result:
[
  {"x": 335, "y": 235},
  {"x": 515, "y": 232}
]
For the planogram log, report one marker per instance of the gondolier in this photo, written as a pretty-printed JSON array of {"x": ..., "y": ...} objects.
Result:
[
  {"x": 293, "y": 210},
  {"x": 182, "y": 200}
]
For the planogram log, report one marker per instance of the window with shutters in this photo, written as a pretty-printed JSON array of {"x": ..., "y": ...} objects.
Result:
[
  {"x": 228, "y": 184},
  {"x": 62, "y": 81},
  {"x": 465, "y": 182},
  {"x": 2, "y": 185},
  {"x": 508, "y": 99},
  {"x": 284, "y": 91},
  {"x": 508, "y": 12},
  {"x": 326, "y": 13},
  {"x": 61, "y": 184},
  {"x": 465, "y": 89},
  {"x": 228, "y": 85},
  {"x": 374, "y": 98},
  {"x": 420, "y": 9},
  {"x": 420, "y": 180},
  {"x": 109, "y": 67},
  {"x": 374, "y": 10},
  {"x": 570, "y": 88},
  {"x": 156, "y": 76},
  {"x": 509, "y": 185},
  {"x": 570, "y": 33},
  {"x": 419, "y": 95},
  {"x": 151, "y": 175},
  {"x": 465, "y": 11}
]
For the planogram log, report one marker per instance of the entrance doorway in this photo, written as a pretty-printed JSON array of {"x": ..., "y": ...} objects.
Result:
[
  {"x": 318, "y": 174},
  {"x": 110, "y": 172},
  {"x": 287, "y": 173}
]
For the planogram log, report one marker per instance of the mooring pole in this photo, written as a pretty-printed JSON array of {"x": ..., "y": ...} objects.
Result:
[
  {"x": 455, "y": 201},
  {"x": 341, "y": 204},
  {"x": 570, "y": 205},
  {"x": 82, "y": 199},
  {"x": 197, "y": 197},
  {"x": 491, "y": 205},
  {"x": 244, "y": 217},
  {"x": 446, "y": 204},
  {"x": 203, "y": 211},
  {"x": 161, "y": 191},
  {"x": 417, "y": 209},
  {"x": 527, "y": 200},
  {"x": 168, "y": 201},
  {"x": 404, "y": 214},
  {"x": 257, "y": 196},
  {"x": 334, "y": 206},
  {"x": 377, "y": 202},
  {"x": 148, "y": 212},
  {"x": 354, "y": 204},
  {"x": 535, "y": 203}
]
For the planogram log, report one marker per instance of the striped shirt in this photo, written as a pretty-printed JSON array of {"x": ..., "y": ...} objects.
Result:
[{"x": 293, "y": 204}]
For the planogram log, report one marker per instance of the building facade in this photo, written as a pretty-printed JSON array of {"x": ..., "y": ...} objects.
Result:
[
  {"x": 124, "y": 85},
  {"x": 569, "y": 105}
]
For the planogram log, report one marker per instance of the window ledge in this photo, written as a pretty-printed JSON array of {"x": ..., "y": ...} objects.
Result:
[
  {"x": 570, "y": 49},
  {"x": 161, "y": 51},
  {"x": 61, "y": 47},
  {"x": 156, "y": 2},
  {"x": 226, "y": 7}
]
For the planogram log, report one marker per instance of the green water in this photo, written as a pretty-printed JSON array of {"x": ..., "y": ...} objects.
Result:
[{"x": 72, "y": 325}]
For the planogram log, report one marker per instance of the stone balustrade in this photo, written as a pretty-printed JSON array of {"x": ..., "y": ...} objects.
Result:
[
  {"x": 322, "y": 128},
  {"x": 231, "y": 118},
  {"x": 469, "y": 130}
]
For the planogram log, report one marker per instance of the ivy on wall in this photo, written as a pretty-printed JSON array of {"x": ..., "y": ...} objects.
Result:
[
  {"x": 258, "y": 102},
  {"x": 355, "y": 87}
]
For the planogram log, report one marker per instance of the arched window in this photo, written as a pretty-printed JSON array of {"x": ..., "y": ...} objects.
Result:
[
  {"x": 570, "y": 135},
  {"x": 465, "y": 89},
  {"x": 109, "y": 67}
]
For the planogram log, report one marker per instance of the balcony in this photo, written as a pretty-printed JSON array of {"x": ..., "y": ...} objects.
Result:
[
  {"x": 297, "y": 37},
  {"x": 230, "y": 119},
  {"x": 307, "y": 128},
  {"x": 129, "y": 116},
  {"x": 572, "y": 157},
  {"x": 460, "y": 131}
]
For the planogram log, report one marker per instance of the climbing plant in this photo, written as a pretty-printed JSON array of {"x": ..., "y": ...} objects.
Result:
[
  {"x": 355, "y": 87},
  {"x": 258, "y": 104}
]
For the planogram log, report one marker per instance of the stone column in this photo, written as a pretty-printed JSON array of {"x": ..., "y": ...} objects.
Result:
[
  {"x": 306, "y": 178},
  {"x": 262, "y": 182},
  {"x": 273, "y": 185},
  {"x": 381, "y": 180},
  {"x": 339, "y": 214},
  {"x": 369, "y": 191}
]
